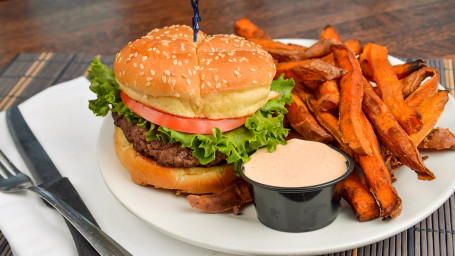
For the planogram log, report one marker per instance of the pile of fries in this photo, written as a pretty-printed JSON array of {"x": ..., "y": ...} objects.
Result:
[{"x": 349, "y": 95}]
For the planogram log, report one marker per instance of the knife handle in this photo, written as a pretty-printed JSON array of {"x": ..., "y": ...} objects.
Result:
[{"x": 66, "y": 191}]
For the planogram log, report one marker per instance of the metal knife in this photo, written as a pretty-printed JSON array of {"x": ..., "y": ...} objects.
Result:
[{"x": 46, "y": 175}]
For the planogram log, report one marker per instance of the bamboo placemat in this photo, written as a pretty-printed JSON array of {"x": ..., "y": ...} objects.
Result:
[{"x": 30, "y": 73}]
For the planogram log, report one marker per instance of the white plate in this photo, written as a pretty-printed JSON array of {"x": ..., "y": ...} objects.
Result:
[{"x": 244, "y": 234}]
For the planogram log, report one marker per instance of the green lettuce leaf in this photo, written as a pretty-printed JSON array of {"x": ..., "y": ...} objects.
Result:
[{"x": 263, "y": 129}]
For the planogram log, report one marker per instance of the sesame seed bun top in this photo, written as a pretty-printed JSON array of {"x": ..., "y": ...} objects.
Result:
[{"x": 219, "y": 76}]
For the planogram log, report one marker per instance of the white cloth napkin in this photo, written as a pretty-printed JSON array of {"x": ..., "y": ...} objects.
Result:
[{"x": 60, "y": 119}]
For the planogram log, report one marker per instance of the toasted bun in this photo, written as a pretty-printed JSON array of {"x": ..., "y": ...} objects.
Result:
[
  {"x": 166, "y": 70},
  {"x": 195, "y": 180}
]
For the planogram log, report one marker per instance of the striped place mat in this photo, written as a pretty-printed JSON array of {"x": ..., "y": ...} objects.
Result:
[{"x": 28, "y": 74}]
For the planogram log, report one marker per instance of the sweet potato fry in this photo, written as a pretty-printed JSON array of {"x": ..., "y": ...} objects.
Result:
[
  {"x": 231, "y": 198},
  {"x": 280, "y": 51},
  {"x": 427, "y": 89},
  {"x": 245, "y": 28},
  {"x": 329, "y": 97},
  {"x": 411, "y": 82},
  {"x": 325, "y": 119},
  {"x": 330, "y": 123},
  {"x": 377, "y": 176},
  {"x": 353, "y": 45},
  {"x": 360, "y": 198},
  {"x": 320, "y": 48},
  {"x": 391, "y": 134},
  {"x": 375, "y": 58},
  {"x": 391, "y": 161},
  {"x": 438, "y": 139},
  {"x": 304, "y": 123},
  {"x": 311, "y": 72},
  {"x": 351, "y": 100},
  {"x": 329, "y": 32},
  {"x": 403, "y": 70},
  {"x": 431, "y": 109}
]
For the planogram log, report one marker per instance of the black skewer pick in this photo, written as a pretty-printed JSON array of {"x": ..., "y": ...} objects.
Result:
[{"x": 196, "y": 19}]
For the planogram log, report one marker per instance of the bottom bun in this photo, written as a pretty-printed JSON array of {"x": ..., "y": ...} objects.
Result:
[{"x": 195, "y": 180}]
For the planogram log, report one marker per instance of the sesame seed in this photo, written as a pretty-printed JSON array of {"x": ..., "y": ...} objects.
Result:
[
  {"x": 164, "y": 79},
  {"x": 186, "y": 61},
  {"x": 218, "y": 85},
  {"x": 175, "y": 62},
  {"x": 166, "y": 72},
  {"x": 147, "y": 84},
  {"x": 134, "y": 64},
  {"x": 185, "y": 76},
  {"x": 152, "y": 72},
  {"x": 180, "y": 63},
  {"x": 252, "y": 69},
  {"x": 188, "y": 81},
  {"x": 141, "y": 66},
  {"x": 224, "y": 81},
  {"x": 202, "y": 86},
  {"x": 141, "y": 73},
  {"x": 209, "y": 84},
  {"x": 255, "y": 82},
  {"x": 148, "y": 79},
  {"x": 174, "y": 81},
  {"x": 216, "y": 78},
  {"x": 236, "y": 72}
]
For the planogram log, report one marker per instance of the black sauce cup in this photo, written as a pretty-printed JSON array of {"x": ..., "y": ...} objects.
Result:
[{"x": 298, "y": 209}]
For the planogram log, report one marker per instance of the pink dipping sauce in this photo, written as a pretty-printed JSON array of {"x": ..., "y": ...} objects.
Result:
[{"x": 299, "y": 163}]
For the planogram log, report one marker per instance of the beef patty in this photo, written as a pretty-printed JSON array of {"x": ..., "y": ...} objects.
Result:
[{"x": 167, "y": 154}]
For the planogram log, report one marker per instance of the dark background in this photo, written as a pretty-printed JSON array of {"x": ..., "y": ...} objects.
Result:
[{"x": 416, "y": 29}]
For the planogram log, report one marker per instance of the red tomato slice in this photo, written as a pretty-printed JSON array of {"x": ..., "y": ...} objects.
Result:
[{"x": 181, "y": 124}]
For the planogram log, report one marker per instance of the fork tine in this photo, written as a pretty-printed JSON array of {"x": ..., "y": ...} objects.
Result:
[{"x": 6, "y": 170}]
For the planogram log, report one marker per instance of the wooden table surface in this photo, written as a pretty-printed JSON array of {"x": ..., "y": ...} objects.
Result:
[{"x": 409, "y": 28}]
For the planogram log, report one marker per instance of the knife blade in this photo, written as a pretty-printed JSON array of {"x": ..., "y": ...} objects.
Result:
[{"x": 46, "y": 175}]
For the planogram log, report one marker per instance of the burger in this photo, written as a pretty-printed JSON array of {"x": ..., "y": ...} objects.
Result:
[{"x": 186, "y": 112}]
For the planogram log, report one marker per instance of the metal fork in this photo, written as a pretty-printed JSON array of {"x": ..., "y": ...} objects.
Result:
[{"x": 16, "y": 181}]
